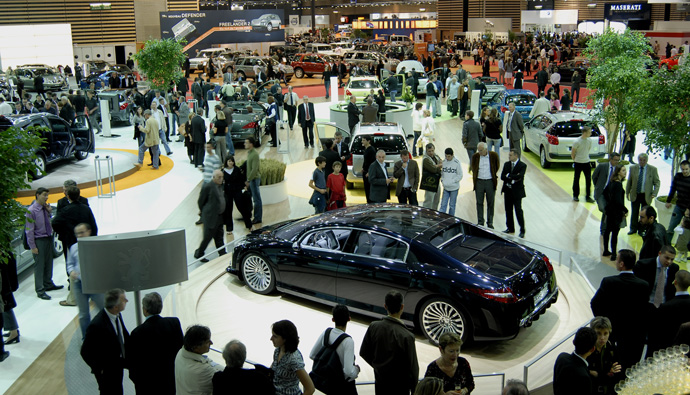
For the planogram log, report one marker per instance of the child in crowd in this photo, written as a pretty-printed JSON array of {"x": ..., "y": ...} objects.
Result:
[
  {"x": 318, "y": 184},
  {"x": 336, "y": 187}
]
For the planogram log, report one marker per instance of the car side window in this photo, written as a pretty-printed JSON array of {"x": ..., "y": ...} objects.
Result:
[
  {"x": 379, "y": 246},
  {"x": 326, "y": 239}
]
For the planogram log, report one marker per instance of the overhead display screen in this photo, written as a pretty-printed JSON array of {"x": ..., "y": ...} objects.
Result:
[{"x": 204, "y": 29}]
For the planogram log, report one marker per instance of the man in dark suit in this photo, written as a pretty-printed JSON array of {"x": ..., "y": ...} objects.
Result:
[
  {"x": 390, "y": 349},
  {"x": 671, "y": 315},
  {"x": 514, "y": 127},
  {"x": 570, "y": 374},
  {"x": 486, "y": 67},
  {"x": 542, "y": 78},
  {"x": 305, "y": 118},
  {"x": 379, "y": 179},
  {"x": 152, "y": 348},
  {"x": 624, "y": 300},
  {"x": 641, "y": 189},
  {"x": 370, "y": 112},
  {"x": 353, "y": 114},
  {"x": 198, "y": 138},
  {"x": 600, "y": 179},
  {"x": 235, "y": 380},
  {"x": 659, "y": 274},
  {"x": 369, "y": 158},
  {"x": 197, "y": 93},
  {"x": 183, "y": 87},
  {"x": 212, "y": 206},
  {"x": 407, "y": 173},
  {"x": 484, "y": 166},
  {"x": 330, "y": 155},
  {"x": 340, "y": 146},
  {"x": 513, "y": 177},
  {"x": 653, "y": 233},
  {"x": 72, "y": 215},
  {"x": 104, "y": 343}
]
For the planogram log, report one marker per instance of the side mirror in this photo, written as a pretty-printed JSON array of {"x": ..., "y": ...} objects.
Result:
[{"x": 295, "y": 247}]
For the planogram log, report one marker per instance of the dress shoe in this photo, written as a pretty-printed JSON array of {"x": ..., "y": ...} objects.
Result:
[
  {"x": 606, "y": 253},
  {"x": 137, "y": 164},
  {"x": 6, "y": 334},
  {"x": 613, "y": 257},
  {"x": 508, "y": 231},
  {"x": 632, "y": 232},
  {"x": 43, "y": 295},
  {"x": 203, "y": 260},
  {"x": 169, "y": 153},
  {"x": 198, "y": 222},
  {"x": 13, "y": 340},
  {"x": 575, "y": 199},
  {"x": 54, "y": 287},
  {"x": 590, "y": 200},
  {"x": 522, "y": 234},
  {"x": 66, "y": 303},
  {"x": 490, "y": 226},
  {"x": 150, "y": 164},
  {"x": 254, "y": 222},
  {"x": 4, "y": 355}
]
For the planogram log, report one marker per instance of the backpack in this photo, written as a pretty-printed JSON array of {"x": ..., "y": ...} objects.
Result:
[{"x": 327, "y": 371}]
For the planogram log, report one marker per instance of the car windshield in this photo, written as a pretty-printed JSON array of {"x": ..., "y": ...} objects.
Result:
[
  {"x": 390, "y": 144},
  {"x": 498, "y": 259},
  {"x": 364, "y": 84},
  {"x": 521, "y": 100},
  {"x": 41, "y": 71},
  {"x": 573, "y": 128}
]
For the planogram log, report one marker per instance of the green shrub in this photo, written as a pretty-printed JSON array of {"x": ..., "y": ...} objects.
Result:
[{"x": 272, "y": 171}]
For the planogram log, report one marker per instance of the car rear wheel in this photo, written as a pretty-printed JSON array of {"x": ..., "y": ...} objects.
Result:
[
  {"x": 453, "y": 63},
  {"x": 40, "y": 169},
  {"x": 269, "y": 27},
  {"x": 524, "y": 144},
  {"x": 81, "y": 155},
  {"x": 258, "y": 274},
  {"x": 542, "y": 159},
  {"x": 438, "y": 316},
  {"x": 299, "y": 73}
]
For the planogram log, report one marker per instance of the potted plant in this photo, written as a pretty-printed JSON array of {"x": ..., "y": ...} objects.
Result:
[
  {"x": 273, "y": 185},
  {"x": 407, "y": 96}
]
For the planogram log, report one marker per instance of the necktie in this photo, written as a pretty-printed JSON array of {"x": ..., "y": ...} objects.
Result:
[
  {"x": 610, "y": 173},
  {"x": 306, "y": 108},
  {"x": 660, "y": 283},
  {"x": 119, "y": 336},
  {"x": 291, "y": 102},
  {"x": 640, "y": 180}
]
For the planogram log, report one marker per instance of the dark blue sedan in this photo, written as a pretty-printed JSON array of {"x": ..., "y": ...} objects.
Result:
[
  {"x": 456, "y": 276},
  {"x": 523, "y": 98}
]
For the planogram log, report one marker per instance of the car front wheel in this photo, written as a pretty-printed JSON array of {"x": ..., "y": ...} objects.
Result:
[
  {"x": 40, "y": 169},
  {"x": 299, "y": 73},
  {"x": 269, "y": 27},
  {"x": 57, "y": 246},
  {"x": 258, "y": 274},
  {"x": 438, "y": 316},
  {"x": 81, "y": 155},
  {"x": 524, "y": 144},
  {"x": 542, "y": 159}
]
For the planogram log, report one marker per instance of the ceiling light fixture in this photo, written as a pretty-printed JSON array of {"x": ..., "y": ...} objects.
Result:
[{"x": 592, "y": 5}]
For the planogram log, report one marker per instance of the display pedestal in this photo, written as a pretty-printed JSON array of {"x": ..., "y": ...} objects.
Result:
[{"x": 106, "y": 119}]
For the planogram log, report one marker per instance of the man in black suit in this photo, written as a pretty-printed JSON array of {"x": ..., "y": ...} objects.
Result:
[
  {"x": 104, "y": 343},
  {"x": 212, "y": 206},
  {"x": 379, "y": 179},
  {"x": 542, "y": 78},
  {"x": 340, "y": 146},
  {"x": 390, "y": 349},
  {"x": 369, "y": 158},
  {"x": 671, "y": 315},
  {"x": 513, "y": 177},
  {"x": 514, "y": 127},
  {"x": 654, "y": 233},
  {"x": 305, "y": 117},
  {"x": 330, "y": 155},
  {"x": 570, "y": 374},
  {"x": 623, "y": 299},
  {"x": 197, "y": 93},
  {"x": 601, "y": 178},
  {"x": 71, "y": 215},
  {"x": 486, "y": 67},
  {"x": 198, "y": 138},
  {"x": 659, "y": 274},
  {"x": 353, "y": 114},
  {"x": 235, "y": 380},
  {"x": 152, "y": 348}
]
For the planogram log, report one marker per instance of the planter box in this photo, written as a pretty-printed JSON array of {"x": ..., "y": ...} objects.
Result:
[
  {"x": 275, "y": 193},
  {"x": 663, "y": 214}
]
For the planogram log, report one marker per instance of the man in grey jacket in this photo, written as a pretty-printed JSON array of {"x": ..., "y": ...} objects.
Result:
[{"x": 471, "y": 134}]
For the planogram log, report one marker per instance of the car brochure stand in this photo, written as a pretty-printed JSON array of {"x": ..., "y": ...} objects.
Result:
[
  {"x": 104, "y": 109},
  {"x": 283, "y": 141},
  {"x": 334, "y": 89},
  {"x": 475, "y": 106},
  {"x": 98, "y": 161}
]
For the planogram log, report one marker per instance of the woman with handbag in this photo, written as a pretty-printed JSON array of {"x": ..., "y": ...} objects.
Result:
[
  {"x": 234, "y": 186},
  {"x": 615, "y": 210},
  {"x": 9, "y": 284}
]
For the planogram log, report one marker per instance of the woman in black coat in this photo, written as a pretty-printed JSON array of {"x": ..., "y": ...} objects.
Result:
[
  {"x": 234, "y": 184},
  {"x": 615, "y": 210},
  {"x": 8, "y": 272}
]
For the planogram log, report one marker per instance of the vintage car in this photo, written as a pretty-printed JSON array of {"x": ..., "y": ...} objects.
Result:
[
  {"x": 267, "y": 22},
  {"x": 309, "y": 64},
  {"x": 455, "y": 276},
  {"x": 61, "y": 140},
  {"x": 52, "y": 80}
]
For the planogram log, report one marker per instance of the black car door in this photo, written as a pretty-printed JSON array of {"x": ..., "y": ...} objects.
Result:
[
  {"x": 374, "y": 264},
  {"x": 312, "y": 266},
  {"x": 61, "y": 140},
  {"x": 83, "y": 134}
]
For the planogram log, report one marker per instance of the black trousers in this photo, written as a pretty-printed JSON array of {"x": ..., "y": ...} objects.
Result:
[
  {"x": 585, "y": 168},
  {"x": 110, "y": 381},
  {"x": 635, "y": 206},
  {"x": 199, "y": 154},
  {"x": 292, "y": 115},
  {"x": 215, "y": 233},
  {"x": 308, "y": 133},
  {"x": 242, "y": 207},
  {"x": 272, "y": 130},
  {"x": 366, "y": 187},
  {"x": 540, "y": 88},
  {"x": 407, "y": 196},
  {"x": 514, "y": 204}
]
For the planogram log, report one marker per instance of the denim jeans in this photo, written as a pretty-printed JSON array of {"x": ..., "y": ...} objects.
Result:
[
  {"x": 449, "y": 199},
  {"x": 83, "y": 305},
  {"x": 393, "y": 93},
  {"x": 431, "y": 102},
  {"x": 494, "y": 144},
  {"x": 256, "y": 196},
  {"x": 229, "y": 145},
  {"x": 175, "y": 122},
  {"x": 471, "y": 152},
  {"x": 156, "y": 153},
  {"x": 164, "y": 141},
  {"x": 676, "y": 217},
  {"x": 327, "y": 85}
]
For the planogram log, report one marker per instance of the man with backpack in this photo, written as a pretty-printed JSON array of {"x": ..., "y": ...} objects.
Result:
[{"x": 334, "y": 370}]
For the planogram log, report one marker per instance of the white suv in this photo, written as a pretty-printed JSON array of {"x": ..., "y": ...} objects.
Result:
[
  {"x": 387, "y": 136},
  {"x": 551, "y": 135}
]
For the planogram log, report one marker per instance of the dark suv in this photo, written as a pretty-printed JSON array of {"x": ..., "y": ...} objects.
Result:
[{"x": 61, "y": 140}]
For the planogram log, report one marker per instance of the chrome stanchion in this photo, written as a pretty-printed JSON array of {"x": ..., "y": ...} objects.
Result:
[{"x": 98, "y": 161}]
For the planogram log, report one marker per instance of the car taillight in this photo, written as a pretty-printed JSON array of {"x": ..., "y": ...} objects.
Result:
[
  {"x": 503, "y": 109},
  {"x": 349, "y": 160},
  {"x": 602, "y": 139},
  {"x": 347, "y": 92},
  {"x": 548, "y": 263},
  {"x": 501, "y": 295},
  {"x": 250, "y": 125},
  {"x": 123, "y": 106},
  {"x": 553, "y": 140}
]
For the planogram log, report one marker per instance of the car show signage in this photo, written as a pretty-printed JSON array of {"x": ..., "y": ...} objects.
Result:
[
  {"x": 205, "y": 29},
  {"x": 627, "y": 11}
]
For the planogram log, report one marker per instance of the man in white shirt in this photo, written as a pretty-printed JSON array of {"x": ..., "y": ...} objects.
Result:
[
  {"x": 580, "y": 155},
  {"x": 193, "y": 370},
  {"x": 159, "y": 116},
  {"x": 556, "y": 82},
  {"x": 290, "y": 101},
  {"x": 5, "y": 108},
  {"x": 541, "y": 105},
  {"x": 345, "y": 351}
]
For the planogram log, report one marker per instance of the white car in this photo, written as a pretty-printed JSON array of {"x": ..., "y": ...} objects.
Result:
[
  {"x": 267, "y": 22},
  {"x": 360, "y": 87},
  {"x": 551, "y": 135},
  {"x": 201, "y": 60}
]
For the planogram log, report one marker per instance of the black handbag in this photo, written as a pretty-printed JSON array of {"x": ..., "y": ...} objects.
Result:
[{"x": 430, "y": 181}]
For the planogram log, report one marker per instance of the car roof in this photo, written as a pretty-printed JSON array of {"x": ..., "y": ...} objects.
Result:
[
  {"x": 560, "y": 116},
  {"x": 519, "y": 92},
  {"x": 377, "y": 128},
  {"x": 363, "y": 77}
]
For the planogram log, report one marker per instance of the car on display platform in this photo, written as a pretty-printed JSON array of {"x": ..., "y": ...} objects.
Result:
[
  {"x": 52, "y": 80},
  {"x": 267, "y": 22},
  {"x": 670, "y": 63},
  {"x": 524, "y": 101},
  {"x": 455, "y": 276},
  {"x": 361, "y": 86},
  {"x": 309, "y": 64},
  {"x": 245, "y": 123},
  {"x": 321, "y": 48},
  {"x": 61, "y": 140},
  {"x": 364, "y": 59},
  {"x": 104, "y": 77},
  {"x": 551, "y": 135},
  {"x": 97, "y": 67},
  {"x": 492, "y": 86},
  {"x": 244, "y": 66},
  {"x": 568, "y": 68},
  {"x": 200, "y": 61}
]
